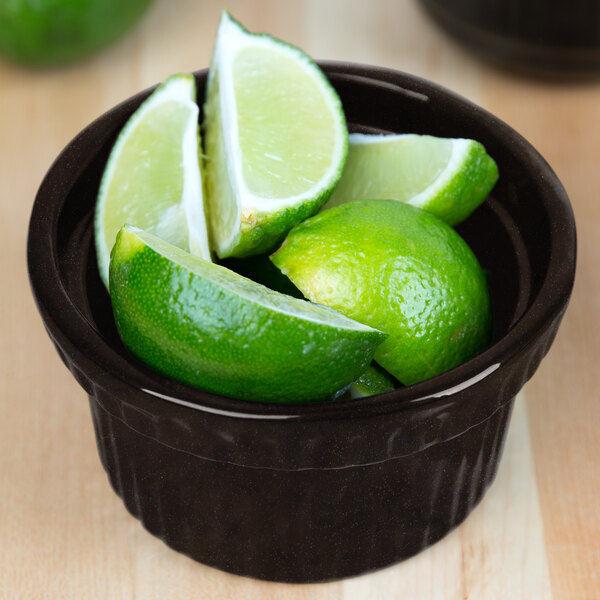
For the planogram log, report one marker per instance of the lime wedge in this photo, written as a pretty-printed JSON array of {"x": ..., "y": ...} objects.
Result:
[
  {"x": 447, "y": 177},
  {"x": 375, "y": 380},
  {"x": 209, "y": 327},
  {"x": 152, "y": 178},
  {"x": 275, "y": 139}
]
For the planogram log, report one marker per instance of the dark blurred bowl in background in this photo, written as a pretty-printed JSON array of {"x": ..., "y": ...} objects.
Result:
[{"x": 556, "y": 38}]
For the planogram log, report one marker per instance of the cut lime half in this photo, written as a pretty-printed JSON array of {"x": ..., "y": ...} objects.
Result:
[
  {"x": 447, "y": 177},
  {"x": 152, "y": 178},
  {"x": 275, "y": 139}
]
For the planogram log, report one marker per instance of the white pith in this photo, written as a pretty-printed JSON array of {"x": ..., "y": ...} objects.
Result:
[
  {"x": 231, "y": 39},
  {"x": 192, "y": 196},
  {"x": 460, "y": 150}
]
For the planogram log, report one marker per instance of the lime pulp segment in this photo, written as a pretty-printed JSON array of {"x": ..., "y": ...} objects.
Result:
[
  {"x": 285, "y": 143},
  {"x": 152, "y": 179},
  {"x": 449, "y": 177}
]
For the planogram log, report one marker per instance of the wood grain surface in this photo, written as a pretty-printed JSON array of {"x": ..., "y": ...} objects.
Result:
[{"x": 64, "y": 534}]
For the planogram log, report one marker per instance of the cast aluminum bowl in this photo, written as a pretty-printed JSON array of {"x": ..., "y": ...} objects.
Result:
[{"x": 304, "y": 493}]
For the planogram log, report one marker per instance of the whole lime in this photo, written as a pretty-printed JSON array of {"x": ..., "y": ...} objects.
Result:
[
  {"x": 50, "y": 32},
  {"x": 398, "y": 269}
]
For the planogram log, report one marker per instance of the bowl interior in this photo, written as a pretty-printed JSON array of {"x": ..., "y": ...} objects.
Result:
[{"x": 510, "y": 233}]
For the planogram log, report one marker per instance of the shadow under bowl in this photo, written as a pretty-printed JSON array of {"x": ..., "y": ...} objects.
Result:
[{"x": 305, "y": 493}]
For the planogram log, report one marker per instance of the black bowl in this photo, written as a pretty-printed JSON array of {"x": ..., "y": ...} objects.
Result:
[{"x": 303, "y": 493}]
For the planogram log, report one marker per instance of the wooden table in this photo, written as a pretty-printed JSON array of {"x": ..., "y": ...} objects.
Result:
[{"x": 63, "y": 532}]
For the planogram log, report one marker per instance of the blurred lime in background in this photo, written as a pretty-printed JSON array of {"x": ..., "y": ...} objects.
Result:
[{"x": 50, "y": 32}]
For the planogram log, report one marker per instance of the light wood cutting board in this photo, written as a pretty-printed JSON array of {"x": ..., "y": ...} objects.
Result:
[{"x": 63, "y": 532}]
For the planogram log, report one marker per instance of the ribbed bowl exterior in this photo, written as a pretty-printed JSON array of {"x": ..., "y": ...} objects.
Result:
[{"x": 299, "y": 526}]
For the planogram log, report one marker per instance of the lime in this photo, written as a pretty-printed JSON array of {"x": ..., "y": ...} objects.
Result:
[
  {"x": 275, "y": 139},
  {"x": 152, "y": 178},
  {"x": 401, "y": 270},
  {"x": 374, "y": 380},
  {"x": 48, "y": 32},
  {"x": 447, "y": 177},
  {"x": 206, "y": 326}
]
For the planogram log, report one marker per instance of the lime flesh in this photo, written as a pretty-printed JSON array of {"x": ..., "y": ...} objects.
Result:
[
  {"x": 152, "y": 178},
  {"x": 447, "y": 177}
]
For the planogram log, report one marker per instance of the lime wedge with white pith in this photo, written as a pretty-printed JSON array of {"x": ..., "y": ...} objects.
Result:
[
  {"x": 209, "y": 327},
  {"x": 275, "y": 140},
  {"x": 447, "y": 177},
  {"x": 152, "y": 178}
]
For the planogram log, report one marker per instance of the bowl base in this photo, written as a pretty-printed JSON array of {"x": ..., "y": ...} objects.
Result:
[{"x": 378, "y": 515}]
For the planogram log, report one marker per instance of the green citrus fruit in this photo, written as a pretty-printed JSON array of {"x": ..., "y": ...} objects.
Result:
[
  {"x": 373, "y": 381},
  {"x": 401, "y": 270},
  {"x": 152, "y": 178},
  {"x": 49, "y": 32},
  {"x": 206, "y": 326},
  {"x": 275, "y": 140},
  {"x": 447, "y": 177}
]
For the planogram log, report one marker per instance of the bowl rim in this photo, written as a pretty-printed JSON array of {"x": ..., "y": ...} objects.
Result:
[{"x": 81, "y": 341}]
